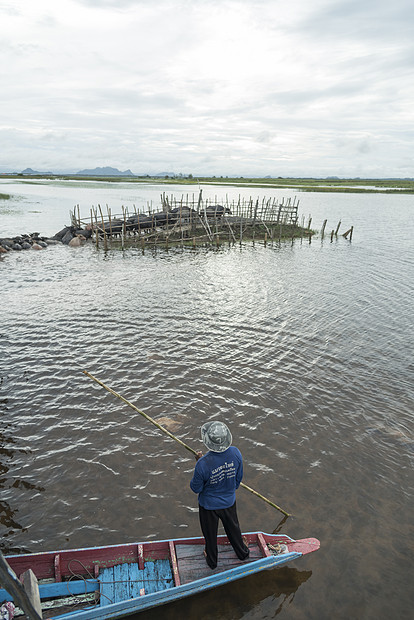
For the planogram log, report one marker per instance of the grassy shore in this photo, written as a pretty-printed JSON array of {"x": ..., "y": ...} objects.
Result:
[{"x": 396, "y": 186}]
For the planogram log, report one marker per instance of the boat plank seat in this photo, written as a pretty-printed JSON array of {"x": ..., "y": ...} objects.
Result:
[
  {"x": 192, "y": 563},
  {"x": 126, "y": 581}
]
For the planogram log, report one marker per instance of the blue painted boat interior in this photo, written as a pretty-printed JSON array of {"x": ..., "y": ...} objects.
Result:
[{"x": 125, "y": 581}]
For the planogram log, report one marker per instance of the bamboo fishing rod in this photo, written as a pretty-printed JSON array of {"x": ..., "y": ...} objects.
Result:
[{"x": 167, "y": 432}]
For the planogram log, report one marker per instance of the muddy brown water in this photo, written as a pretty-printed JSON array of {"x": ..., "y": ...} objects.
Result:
[{"x": 305, "y": 350}]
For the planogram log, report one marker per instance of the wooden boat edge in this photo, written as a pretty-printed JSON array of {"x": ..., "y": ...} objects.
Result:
[
  {"x": 125, "y": 608},
  {"x": 125, "y": 552},
  {"x": 146, "y": 543}
]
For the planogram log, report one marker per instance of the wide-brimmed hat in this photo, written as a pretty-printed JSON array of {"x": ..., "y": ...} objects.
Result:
[{"x": 216, "y": 436}]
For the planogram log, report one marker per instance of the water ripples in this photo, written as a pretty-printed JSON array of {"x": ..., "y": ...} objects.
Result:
[{"x": 304, "y": 350}]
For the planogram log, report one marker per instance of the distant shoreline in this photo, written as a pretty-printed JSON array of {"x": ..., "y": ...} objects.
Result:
[{"x": 334, "y": 185}]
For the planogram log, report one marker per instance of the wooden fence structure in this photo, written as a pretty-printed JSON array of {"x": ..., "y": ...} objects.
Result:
[{"x": 193, "y": 220}]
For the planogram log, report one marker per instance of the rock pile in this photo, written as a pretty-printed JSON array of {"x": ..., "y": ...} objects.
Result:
[{"x": 70, "y": 235}]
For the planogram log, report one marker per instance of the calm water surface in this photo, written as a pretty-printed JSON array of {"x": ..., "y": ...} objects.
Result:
[{"x": 305, "y": 350}]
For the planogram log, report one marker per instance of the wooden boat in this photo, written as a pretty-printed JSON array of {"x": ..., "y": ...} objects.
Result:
[{"x": 119, "y": 580}]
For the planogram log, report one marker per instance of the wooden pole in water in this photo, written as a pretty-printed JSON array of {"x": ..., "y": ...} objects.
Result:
[
  {"x": 123, "y": 234},
  {"x": 349, "y": 232},
  {"x": 184, "y": 445},
  {"x": 103, "y": 228},
  {"x": 96, "y": 229}
]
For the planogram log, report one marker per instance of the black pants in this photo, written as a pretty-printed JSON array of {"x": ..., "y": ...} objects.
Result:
[{"x": 209, "y": 525}]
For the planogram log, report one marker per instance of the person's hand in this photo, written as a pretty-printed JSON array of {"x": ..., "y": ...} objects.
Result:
[{"x": 198, "y": 455}]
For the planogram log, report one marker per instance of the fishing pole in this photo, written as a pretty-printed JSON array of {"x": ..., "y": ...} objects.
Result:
[{"x": 167, "y": 432}]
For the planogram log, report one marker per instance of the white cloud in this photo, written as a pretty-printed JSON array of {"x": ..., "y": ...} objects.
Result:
[{"x": 214, "y": 87}]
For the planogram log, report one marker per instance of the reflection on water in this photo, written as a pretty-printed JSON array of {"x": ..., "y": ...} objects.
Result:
[
  {"x": 8, "y": 449},
  {"x": 305, "y": 350},
  {"x": 278, "y": 529},
  {"x": 263, "y": 595}
]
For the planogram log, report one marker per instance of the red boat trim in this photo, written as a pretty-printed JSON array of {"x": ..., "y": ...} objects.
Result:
[
  {"x": 262, "y": 545},
  {"x": 174, "y": 564},
  {"x": 58, "y": 574},
  {"x": 141, "y": 557}
]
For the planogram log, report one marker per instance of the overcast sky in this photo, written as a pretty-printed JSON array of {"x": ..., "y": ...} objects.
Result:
[{"x": 215, "y": 87}]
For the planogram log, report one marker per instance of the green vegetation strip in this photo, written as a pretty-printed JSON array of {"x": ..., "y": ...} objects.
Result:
[{"x": 331, "y": 184}]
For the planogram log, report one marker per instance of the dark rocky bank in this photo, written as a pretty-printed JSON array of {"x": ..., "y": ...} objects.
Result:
[{"x": 70, "y": 235}]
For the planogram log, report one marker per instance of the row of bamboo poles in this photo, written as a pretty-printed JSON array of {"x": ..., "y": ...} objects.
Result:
[
  {"x": 269, "y": 210},
  {"x": 274, "y": 219},
  {"x": 192, "y": 220},
  {"x": 335, "y": 231}
]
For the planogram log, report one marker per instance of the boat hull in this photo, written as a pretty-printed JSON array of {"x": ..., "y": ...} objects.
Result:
[{"x": 120, "y": 580}]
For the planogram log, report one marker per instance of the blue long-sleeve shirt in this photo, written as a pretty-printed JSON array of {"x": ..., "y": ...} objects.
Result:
[{"x": 216, "y": 477}]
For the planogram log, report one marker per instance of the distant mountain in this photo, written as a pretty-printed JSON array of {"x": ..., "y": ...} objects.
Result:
[
  {"x": 30, "y": 171},
  {"x": 107, "y": 171}
]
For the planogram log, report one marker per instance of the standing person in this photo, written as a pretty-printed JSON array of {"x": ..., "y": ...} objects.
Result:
[{"x": 216, "y": 477}]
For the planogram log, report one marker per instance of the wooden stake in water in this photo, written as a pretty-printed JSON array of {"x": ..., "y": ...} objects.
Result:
[
  {"x": 184, "y": 445},
  {"x": 349, "y": 232},
  {"x": 96, "y": 229},
  {"x": 103, "y": 228},
  {"x": 123, "y": 235}
]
